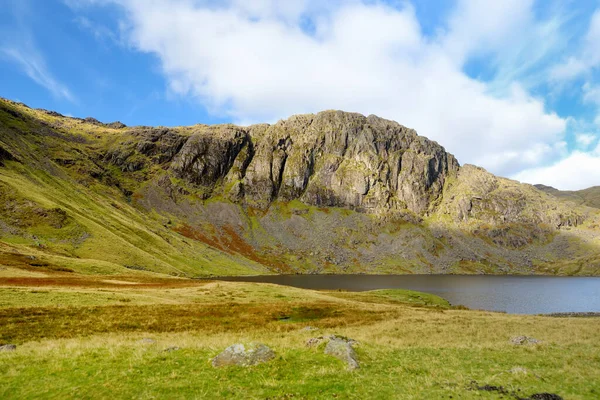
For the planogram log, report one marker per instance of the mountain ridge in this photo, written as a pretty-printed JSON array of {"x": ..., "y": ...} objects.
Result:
[
  {"x": 588, "y": 197},
  {"x": 315, "y": 193}
]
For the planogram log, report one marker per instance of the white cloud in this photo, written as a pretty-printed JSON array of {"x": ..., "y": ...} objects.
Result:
[
  {"x": 482, "y": 26},
  {"x": 578, "y": 171},
  {"x": 585, "y": 140},
  {"x": 591, "y": 94},
  {"x": 588, "y": 56},
  {"x": 254, "y": 62}
]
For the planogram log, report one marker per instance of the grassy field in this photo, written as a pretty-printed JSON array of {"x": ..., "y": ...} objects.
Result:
[{"x": 82, "y": 337}]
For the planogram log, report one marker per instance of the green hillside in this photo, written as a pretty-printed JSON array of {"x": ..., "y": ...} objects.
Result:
[{"x": 327, "y": 193}]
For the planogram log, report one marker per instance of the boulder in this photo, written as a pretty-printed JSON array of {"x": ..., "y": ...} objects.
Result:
[
  {"x": 342, "y": 350},
  {"x": 313, "y": 342},
  {"x": 8, "y": 347},
  {"x": 523, "y": 340},
  {"x": 245, "y": 356}
]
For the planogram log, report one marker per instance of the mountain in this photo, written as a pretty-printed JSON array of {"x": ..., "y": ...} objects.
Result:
[
  {"x": 589, "y": 197},
  {"x": 332, "y": 192}
]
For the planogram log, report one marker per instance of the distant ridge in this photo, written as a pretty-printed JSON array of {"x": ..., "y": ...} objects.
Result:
[{"x": 588, "y": 197}]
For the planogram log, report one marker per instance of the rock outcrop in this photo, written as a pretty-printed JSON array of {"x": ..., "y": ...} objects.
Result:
[
  {"x": 332, "y": 192},
  {"x": 332, "y": 158}
]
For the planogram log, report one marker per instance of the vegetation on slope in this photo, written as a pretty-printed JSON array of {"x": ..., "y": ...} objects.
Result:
[
  {"x": 588, "y": 197},
  {"x": 195, "y": 201}
]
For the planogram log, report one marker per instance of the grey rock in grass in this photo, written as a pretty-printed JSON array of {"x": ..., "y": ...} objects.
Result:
[
  {"x": 524, "y": 340},
  {"x": 316, "y": 341},
  {"x": 519, "y": 371},
  {"x": 8, "y": 347},
  {"x": 147, "y": 341},
  {"x": 171, "y": 349},
  {"x": 342, "y": 350},
  {"x": 309, "y": 329},
  {"x": 245, "y": 356}
]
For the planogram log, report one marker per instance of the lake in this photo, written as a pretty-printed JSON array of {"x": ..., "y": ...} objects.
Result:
[{"x": 513, "y": 294}]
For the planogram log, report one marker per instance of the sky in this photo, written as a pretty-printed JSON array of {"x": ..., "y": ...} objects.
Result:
[{"x": 512, "y": 86}]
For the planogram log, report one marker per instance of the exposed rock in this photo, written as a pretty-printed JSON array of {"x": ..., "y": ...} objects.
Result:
[
  {"x": 5, "y": 155},
  {"x": 545, "y": 396},
  {"x": 331, "y": 158},
  {"x": 147, "y": 341},
  {"x": 309, "y": 329},
  {"x": 93, "y": 121},
  {"x": 208, "y": 155},
  {"x": 52, "y": 113},
  {"x": 116, "y": 125},
  {"x": 574, "y": 315},
  {"x": 477, "y": 194},
  {"x": 342, "y": 350},
  {"x": 523, "y": 340},
  {"x": 171, "y": 349},
  {"x": 316, "y": 341},
  {"x": 519, "y": 371},
  {"x": 8, "y": 347},
  {"x": 244, "y": 356}
]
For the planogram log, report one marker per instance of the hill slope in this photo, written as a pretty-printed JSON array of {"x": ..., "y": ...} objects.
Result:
[
  {"x": 589, "y": 197},
  {"x": 330, "y": 192}
]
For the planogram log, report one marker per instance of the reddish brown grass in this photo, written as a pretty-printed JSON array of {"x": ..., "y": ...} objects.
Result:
[
  {"x": 25, "y": 324},
  {"x": 231, "y": 242}
]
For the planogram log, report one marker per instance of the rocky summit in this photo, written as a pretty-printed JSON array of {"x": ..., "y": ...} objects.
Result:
[{"x": 332, "y": 192}]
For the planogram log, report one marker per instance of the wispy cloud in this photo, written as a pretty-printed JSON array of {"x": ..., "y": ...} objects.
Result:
[
  {"x": 34, "y": 67},
  {"x": 587, "y": 56},
  {"x": 17, "y": 45},
  {"x": 100, "y": 32}
]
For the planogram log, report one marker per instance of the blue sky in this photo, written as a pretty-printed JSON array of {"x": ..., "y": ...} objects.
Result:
[{"x": 513, "y": 86}]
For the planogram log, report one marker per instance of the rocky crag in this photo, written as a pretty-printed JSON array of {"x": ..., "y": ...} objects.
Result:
[{"x": 318, "y": 193}]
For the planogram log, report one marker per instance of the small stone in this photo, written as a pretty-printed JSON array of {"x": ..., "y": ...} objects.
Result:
[
  {"x": 342, "y": 350},
  {"x": 314, "y": 342},
  {"x": 171, "y": 349},
  {"x": 519, "y": 371},
  {"x": 8, "y": 347},
  {"x": 309, "y": 329},
  {"x": 238, "y": 354},
  {"x": 523, "y": 340},
  {"x": 147, "y": 341}
]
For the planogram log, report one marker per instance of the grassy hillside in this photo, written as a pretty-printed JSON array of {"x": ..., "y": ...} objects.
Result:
[
  {"x": 78, "y": 195},
  {"x": 589, "y": 197},
  {"x": 55, "y": 217},
  {"x": 89, "y": 338}
]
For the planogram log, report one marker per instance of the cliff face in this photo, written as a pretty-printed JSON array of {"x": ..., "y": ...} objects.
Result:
[
  {"x": 329, "y": 192},
  {"x": 329, "y": 159}
]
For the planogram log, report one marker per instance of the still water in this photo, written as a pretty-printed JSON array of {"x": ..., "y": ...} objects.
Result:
[{"x": 513, "y": 294}]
